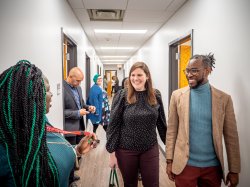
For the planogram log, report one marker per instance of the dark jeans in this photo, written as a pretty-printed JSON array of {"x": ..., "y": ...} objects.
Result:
[
  {"x": 202, "y": 177},
  {"x": 130, "y": 162}
]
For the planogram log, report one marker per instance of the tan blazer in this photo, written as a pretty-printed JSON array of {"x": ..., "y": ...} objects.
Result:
[{"x": 223, "y": 122}]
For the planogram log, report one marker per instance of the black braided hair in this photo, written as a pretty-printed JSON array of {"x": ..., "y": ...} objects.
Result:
[
  {"x": 208, "y": 60},
  {"x": 22, "y": 126}
]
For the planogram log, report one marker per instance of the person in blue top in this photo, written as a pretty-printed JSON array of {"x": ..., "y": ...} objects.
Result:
[
  {"x": 96, "y": 99},
  {"x": 29, "y": 154}
]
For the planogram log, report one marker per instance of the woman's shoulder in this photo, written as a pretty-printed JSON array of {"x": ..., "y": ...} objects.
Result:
[
  {"x": 97, "y": 88},
  {"x": 120, "y": 95},
  {"x": 157, "y": 92}
]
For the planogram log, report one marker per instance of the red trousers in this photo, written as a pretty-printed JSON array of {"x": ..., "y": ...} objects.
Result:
[
  {"x": 202, "y": 177},
  {"x": 147, "y": 161}
]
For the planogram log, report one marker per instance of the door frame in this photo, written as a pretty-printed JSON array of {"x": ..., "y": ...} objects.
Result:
[
  {"x": 74, "y": 56},
  {"x": 173, "y": 62}
]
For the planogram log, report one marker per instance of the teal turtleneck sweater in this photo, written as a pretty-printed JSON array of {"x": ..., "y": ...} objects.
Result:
[{"x": 202, "y": 153}]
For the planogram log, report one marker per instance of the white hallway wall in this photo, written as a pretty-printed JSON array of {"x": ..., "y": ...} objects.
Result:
[
  {"x": 221, "y": 27},
  {"x": 32, "y": 30}
]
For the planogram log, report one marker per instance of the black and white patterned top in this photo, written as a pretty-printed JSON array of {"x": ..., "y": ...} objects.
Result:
[{"x": 133, "y": 126}]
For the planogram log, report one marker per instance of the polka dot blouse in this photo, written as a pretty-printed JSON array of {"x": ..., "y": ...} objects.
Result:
[{"x": 133, "y": 126}]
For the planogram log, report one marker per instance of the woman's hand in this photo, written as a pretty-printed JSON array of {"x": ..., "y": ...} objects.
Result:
[
  {"x": 113, "y": 161},
  {"x": 86, "y": 144}
]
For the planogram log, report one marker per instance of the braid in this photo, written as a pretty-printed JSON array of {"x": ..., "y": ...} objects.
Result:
[
  {"x": 208, "y": 60},
  {"x": 22, "y": 126}
]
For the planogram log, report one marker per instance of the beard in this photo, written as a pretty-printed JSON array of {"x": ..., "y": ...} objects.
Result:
[{"x": 199, "y": 83}]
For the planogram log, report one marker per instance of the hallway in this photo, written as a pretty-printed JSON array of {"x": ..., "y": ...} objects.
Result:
[
  {"x": 94, "y": 169},
  {"x": 37, "y": 31}
]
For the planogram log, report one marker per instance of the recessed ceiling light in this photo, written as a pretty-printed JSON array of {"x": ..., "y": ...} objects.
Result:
[
  {"x": 117, "y": 47},
  {"x": 120, "y": 31},
  {"x": 114, "y": 60},
  {"x": 114, "y": 56},
  {"x": 112, "y": 63}
]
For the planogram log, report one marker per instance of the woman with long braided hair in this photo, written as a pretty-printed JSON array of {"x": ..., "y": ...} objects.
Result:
[{"x": 29, "y": 155}]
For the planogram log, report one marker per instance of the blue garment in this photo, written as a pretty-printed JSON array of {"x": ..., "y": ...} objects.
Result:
[
  {"x": 95, "y": 99},
  {"x": 63, "y": 154},
  {"x": 202, "y": 153}
]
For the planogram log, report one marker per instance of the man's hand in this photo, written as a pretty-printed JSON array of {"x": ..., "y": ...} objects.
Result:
[
  {"x": 92, "y": 109},
  {"x": 83, "y": 112},
  {"x": 232, "y": 179},
  {"x": 171, "y": 175}
]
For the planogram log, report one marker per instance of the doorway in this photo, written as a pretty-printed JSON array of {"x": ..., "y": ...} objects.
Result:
[
  {"x": 87, "y": 75},
  {"x": 109, "y": 74},
  {"x": 180, "y": 51},
  {"x": 69, "y": 55},
  {"x": 69, "y": 60}
]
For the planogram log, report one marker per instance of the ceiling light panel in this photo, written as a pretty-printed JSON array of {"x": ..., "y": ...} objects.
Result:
[
  {"x": 114, "y": 56},
  {"x": 120, "y": 31},
  {"x": 114, "y": 60},
  {"x": 117, "y": 48}
]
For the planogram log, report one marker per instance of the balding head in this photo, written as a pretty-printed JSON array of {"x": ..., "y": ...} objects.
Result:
[{"x": 75, "y": 77}]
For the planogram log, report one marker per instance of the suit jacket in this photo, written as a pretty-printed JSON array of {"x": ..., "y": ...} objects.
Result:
[
  {"x": 223, "y": 125},
  {"x": 72, "y": 121}
]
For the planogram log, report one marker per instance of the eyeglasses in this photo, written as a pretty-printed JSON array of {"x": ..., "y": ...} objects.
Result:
[{"x": 193, "y": 71}]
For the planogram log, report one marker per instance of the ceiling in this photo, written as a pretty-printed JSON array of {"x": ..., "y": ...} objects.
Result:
[{"x": 147, "y": 15}]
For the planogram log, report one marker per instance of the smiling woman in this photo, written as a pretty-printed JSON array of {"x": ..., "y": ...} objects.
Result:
[{"x": 136, "y": 112}]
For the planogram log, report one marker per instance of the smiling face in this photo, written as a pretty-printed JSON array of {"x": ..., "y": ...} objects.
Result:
[
  {"x": 99, "y": 81},
  {"x": 196, "y": 73},
  {"x": 138, "y": 79},
  {"x": 48, "y": 94}
]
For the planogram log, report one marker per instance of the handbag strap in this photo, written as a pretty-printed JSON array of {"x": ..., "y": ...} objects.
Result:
[
  {"x": 111, "y": 178},
  {"x": 115, "y": 176}
]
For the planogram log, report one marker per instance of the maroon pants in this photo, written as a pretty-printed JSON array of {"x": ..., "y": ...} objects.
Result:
[
  {"x": 148, "y": 161},
  {"x": 202, "y": 177}
]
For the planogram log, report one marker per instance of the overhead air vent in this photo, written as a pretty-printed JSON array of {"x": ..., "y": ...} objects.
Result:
[{"x": 105, "y": 15}]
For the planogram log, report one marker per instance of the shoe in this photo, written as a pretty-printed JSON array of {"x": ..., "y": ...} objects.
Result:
[
  {"x": 73, "y": 184},
  {"x": 139, "y": 177},
  {"x": 76, "y": 178}
]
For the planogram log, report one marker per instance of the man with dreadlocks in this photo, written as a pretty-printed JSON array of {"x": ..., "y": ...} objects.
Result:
[
  {"x": 29, "y": 154},
  {"x": 199, "y": 117}
]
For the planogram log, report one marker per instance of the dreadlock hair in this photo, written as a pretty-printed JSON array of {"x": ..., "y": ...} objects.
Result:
[
  {"x": 131, "y": 96},
  {"x": 22, "y": 126},
  {"x": 207, "y": 60}
]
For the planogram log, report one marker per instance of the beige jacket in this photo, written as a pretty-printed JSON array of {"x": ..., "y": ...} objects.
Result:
[{"x": 223, "y": 122}]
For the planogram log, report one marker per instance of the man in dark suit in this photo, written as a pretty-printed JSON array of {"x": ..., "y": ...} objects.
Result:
[
  {"x": 74, "y": 105},
  {"x": 74, "y": 110}
]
